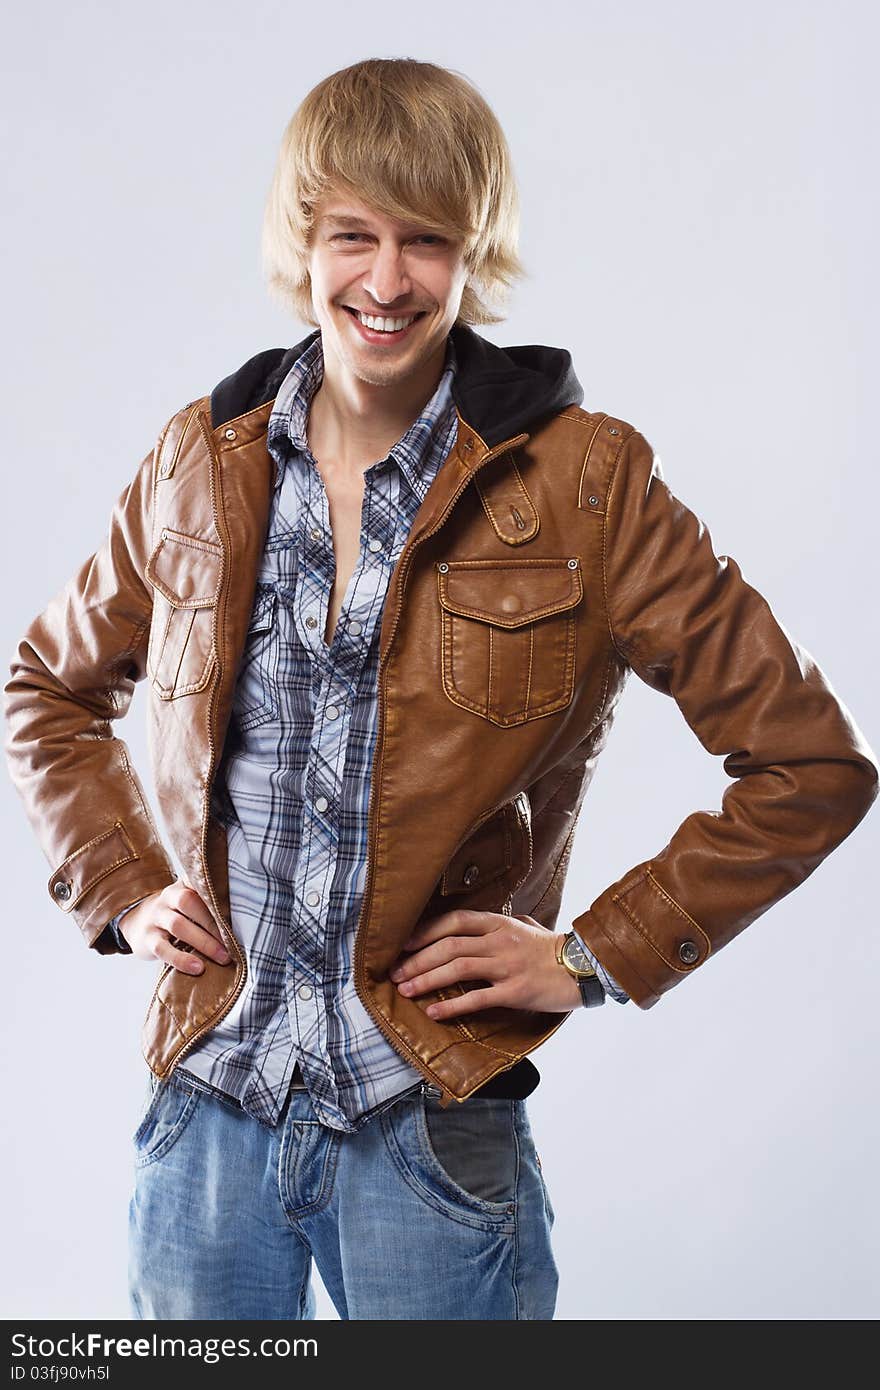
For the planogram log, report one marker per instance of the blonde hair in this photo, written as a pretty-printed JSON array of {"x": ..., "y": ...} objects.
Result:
[{"x": 414, "y": 141}]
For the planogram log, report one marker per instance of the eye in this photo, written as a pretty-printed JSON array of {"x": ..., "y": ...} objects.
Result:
[{"x": 427, "y": 236}]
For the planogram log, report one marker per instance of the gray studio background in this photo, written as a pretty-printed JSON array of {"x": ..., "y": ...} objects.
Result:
[{"x": 699, "y": 221}]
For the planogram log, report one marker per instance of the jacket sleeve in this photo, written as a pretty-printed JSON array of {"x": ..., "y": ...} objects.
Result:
[
  {"x": 72, "y": 674},
  {"x": 691, "y": 626}
]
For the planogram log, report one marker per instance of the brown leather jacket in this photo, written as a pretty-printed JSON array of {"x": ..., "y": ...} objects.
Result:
[{"x": 548, "y": 559}]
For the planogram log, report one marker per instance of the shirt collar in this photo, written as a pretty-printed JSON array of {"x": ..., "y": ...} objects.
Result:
[{"x": 289, "y": 417}]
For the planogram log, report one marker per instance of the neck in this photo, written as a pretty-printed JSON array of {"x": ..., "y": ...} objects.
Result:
[{"x": 354, "y": 423}]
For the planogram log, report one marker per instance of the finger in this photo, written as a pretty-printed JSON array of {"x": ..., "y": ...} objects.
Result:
[
  {"x": 462, "y": 921},
  {"x": 446, "y": 949},
  {"x": 185, "y": 900},
  {"x": 462, "y": 968},
  {"x": 183, "y": 929},
  {"x": 164, "y": 949},
  {"x": 469, "y": 1003}
]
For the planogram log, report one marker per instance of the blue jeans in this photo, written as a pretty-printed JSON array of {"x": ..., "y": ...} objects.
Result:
[{"x": 423, "y": 1213}]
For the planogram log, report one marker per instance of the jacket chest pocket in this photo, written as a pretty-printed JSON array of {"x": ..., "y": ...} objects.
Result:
[
  {"x": 508, "y": 633},
  {"x": 255, "y": 700},
  {"x": 185, "y": 573}
]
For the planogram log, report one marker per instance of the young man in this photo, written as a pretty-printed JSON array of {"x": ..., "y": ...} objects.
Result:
[{"x": 386, "y": 587}]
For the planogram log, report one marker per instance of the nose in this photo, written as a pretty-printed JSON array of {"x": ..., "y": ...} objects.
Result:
[{"x": 388, "y": 280}]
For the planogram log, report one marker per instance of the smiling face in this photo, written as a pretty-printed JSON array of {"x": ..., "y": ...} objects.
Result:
[{"x": 391, "y": 270}]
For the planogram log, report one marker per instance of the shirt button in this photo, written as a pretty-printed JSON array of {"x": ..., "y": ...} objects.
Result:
[
  {"x": 311, "y": 622},
  {"x": 354, "y": 628},
  {"x": 332, "y": 712},
  {"x": 374, "y": 544},
  {"x": 315, "y": 533},
  {"x": 305, "y": 991},
  {"x": 322, "y": 803},
  {"x": 313, "y": 899}
]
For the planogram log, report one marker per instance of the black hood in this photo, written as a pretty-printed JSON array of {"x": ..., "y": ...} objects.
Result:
[{"x": 499, "y": 391}]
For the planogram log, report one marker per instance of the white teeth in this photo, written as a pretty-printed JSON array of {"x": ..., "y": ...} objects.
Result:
[{"x": 385, "y": 325}]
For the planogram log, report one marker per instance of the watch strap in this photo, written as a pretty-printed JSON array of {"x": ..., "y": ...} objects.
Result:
[{"x": 592, "y": 991}]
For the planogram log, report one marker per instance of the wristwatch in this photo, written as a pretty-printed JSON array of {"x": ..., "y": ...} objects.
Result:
[{"x": 571, "y": 954}]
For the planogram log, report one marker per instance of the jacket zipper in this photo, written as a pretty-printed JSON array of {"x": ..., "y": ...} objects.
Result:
[
  {"x": 392, "y": 1036},
  {"x": 212, "y": 752}
]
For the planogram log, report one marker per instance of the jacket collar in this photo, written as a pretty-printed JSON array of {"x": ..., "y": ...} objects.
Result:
[{"x": 498, "y": 391}]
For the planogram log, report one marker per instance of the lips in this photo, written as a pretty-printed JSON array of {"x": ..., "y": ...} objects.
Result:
[{"x": 377, "y": 337}]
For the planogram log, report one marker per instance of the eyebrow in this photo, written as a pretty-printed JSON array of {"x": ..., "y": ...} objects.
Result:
[{"x": 341, "y": 219}]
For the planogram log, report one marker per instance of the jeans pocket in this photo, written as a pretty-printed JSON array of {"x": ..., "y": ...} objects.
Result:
[
  {"x": 169, "y": 1110},
  {"x": 472, "y": 1149}
]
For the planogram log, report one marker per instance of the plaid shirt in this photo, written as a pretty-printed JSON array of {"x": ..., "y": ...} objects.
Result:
[{"x": 294, "y": 784}]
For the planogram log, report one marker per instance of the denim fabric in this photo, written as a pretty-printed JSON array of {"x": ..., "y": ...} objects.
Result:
[{"x": 422, "y": 1213}]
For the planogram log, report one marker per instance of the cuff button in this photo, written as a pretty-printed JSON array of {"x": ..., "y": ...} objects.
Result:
[
  {"x": 688, "y": 952},
  {"x": 62, "y": 891}
]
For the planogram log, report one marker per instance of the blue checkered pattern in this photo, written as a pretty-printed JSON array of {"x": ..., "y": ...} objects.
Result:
[{"x": 294, "y": 783}]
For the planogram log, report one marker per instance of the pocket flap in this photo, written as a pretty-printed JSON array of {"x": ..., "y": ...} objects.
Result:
[
  {"x": 185, "y": 569},
  {"x": 507, "y": 593}
]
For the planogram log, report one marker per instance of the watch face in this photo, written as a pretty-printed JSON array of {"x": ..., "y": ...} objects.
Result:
[{"x": 575, "y": 955}]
